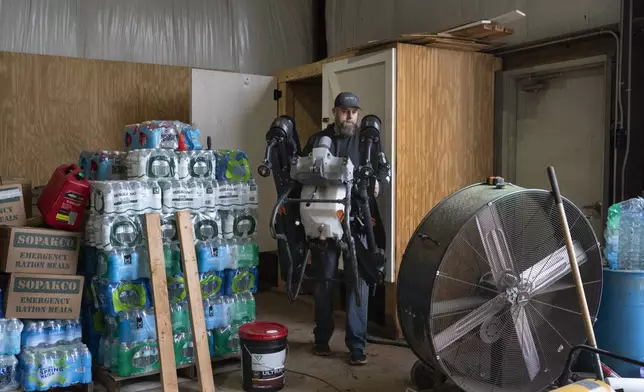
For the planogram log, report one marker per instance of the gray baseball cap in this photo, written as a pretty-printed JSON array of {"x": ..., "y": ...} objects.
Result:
[{"x": 346, "y": 100}]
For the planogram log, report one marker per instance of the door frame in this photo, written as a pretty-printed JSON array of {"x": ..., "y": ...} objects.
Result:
[
  {"x": 388, "y": 57},
  {"x": 506, "y": 127}
]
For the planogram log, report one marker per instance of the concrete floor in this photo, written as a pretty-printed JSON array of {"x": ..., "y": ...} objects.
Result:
[{"x": 388, "y": 368}]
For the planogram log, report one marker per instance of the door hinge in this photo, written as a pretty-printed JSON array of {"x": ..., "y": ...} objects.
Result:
[{"x": 277, "y": 94}]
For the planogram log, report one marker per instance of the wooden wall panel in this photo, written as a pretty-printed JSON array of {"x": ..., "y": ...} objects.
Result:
[
  {"x": 302, "y": 100},
  {"x": 52, "y": 108},
  {"x": 444, "y": 129},
  {"x": 444, "y": 136}
]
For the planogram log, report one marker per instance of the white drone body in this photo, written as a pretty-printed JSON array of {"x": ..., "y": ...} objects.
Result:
[{"x": 324, "y": 177}]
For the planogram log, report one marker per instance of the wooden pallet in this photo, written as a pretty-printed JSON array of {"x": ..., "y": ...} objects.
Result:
[
  {"x": 75, "y": 388},
  {"x": 187, "y": 372}
]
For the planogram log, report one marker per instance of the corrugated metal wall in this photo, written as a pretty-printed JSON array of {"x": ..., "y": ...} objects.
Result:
[
  {"x": 249, "y": 36},
  {"x": 354, "y": 22}
]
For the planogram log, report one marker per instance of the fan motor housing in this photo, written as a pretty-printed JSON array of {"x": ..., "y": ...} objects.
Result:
[{"x": 431, "y": 252}]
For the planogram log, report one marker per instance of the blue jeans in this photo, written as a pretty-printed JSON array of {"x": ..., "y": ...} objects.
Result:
[{"x": 324, "y": 263}]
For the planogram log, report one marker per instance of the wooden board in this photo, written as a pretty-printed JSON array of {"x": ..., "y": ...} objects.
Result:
[
  {"x": 52, "y": 107},
  {"x": 484, "y": 32},
  {"x": 444, "y": 133},
  {"x": 307, "y": 71},
  {"x": 429, "y": 40},
  {"x": 195, "y": 304},
  {"x": 165, "y": 337}
]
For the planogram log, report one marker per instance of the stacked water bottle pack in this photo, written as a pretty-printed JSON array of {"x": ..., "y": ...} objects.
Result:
[
  {"x": 10, "y": 330},
  {"x": 53, "y": 355},
  {"x": 161, "y": 134},
  {"x": 216, "y": 187},
  {"x": 624, "y": 235}
]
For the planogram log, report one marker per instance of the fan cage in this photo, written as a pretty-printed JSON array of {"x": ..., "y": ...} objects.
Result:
[{"x": 489, "y": 356}]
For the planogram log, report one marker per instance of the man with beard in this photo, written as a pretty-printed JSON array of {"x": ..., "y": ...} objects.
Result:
[{"x": 344, "y": 133}]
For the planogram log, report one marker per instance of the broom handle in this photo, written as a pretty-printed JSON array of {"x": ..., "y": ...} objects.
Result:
[{"x": 574, "y": 267}]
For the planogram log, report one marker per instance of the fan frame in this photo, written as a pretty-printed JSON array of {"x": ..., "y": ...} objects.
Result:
[{"x": 439, "y": 242}]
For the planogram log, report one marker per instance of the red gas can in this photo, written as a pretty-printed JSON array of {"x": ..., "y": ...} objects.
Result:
[{"x": 63, "y": 200}]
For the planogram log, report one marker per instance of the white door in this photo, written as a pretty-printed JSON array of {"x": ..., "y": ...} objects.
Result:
[
  {"x": 561, "y": 122},
  {"x": 236, "y": 110},
  {"x": 372, "y": 78}
]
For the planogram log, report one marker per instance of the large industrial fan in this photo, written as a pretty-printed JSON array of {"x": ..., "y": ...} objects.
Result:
[{"x": 485, "y": 293}]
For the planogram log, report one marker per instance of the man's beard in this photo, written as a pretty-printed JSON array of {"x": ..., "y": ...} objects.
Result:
[{"x": 346, "y": 128}]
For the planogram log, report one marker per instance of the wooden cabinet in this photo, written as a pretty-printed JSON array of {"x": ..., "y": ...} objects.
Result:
[{"x": 437, "y": 109}]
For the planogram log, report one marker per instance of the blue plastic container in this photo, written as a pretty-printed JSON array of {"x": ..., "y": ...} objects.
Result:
[{"x": 620, "y": 322}]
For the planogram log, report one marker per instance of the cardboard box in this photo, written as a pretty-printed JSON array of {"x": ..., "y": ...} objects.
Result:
[
  {"x": 12, "y": 205},
  {"x": 32, "y": 296},
  {"x": 34, "y": 250},
  {"x": 26, "y": 192}
]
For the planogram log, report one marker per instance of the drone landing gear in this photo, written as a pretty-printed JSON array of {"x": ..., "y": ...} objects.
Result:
[{"x": 427, "y": 378}]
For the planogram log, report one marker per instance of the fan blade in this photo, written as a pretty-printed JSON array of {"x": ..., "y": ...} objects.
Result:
[
  {"x": 528, "y": 349},
  {"x": 494, "y": 242},
  {"x": 460, "y": 328},
  {"x": 552, "y": 268},
  {"x": 456, "y": 305},
  {"x": 557, "y": 286}
]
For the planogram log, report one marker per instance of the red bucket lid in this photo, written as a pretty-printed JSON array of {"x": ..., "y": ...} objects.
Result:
[{"x": 262, "y": 331}]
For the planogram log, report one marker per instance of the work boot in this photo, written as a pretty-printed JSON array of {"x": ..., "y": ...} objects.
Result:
[
  {"x": 358, "y": 358},
  {"x": 322, "y": 350}
]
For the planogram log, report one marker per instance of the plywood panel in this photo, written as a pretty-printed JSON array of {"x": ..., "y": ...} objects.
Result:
[
  {"x": 302, "y": 100},
  {"x": 444, "y": 129},
  {"x": 51, "y": 107}
]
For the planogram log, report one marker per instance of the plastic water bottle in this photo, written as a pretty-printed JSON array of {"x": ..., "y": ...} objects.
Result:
[
  {"x": 28, "y": 370},
  {"x": 180, "y": 317},
  {"x": 73, "y": 331},
  {"x": 85, "y": 365},
  {"x": 611, "y": 235},
  {"x": 226, "y": 341},
  {"x": 211, "y": 283},
  {"x": 137, "y": 326},
  {"x": 217, "y": 312},
  {"x": 244, "y": 308},
  {"x": 120, "y": 264},
  {"x": 10, "y": 334},
  {"x": 184, "y": 351},
  {"x": 8, "y": 373},
  {"x": 632, "y": 213},
  {"x": 240, "y": 280},
  {"x": 33, "y": 334},
  {"x": 54, "y": 332},
  {"x": 250, "y": 307},
  {"x": 246, "y": 227},
  {"x": 137, "y": 358}
]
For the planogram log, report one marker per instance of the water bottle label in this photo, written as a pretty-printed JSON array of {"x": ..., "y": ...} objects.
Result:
[
  {"x": 226, "y": 196},
  {"x": 252, "y": 196},
  {"x": 182, "y": 198},
  {"x": 210, "y": 199}
]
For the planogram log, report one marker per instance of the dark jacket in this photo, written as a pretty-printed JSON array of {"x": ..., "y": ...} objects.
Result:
[{"x": 351, "y": 147}]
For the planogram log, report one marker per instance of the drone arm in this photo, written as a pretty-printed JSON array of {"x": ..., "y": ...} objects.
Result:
[
  {"x": 382, "y": 168},
  {"x": 269, "y": 149},
  {"x": 276, "y": 208},
  {"x": 368, "y": 223}
]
